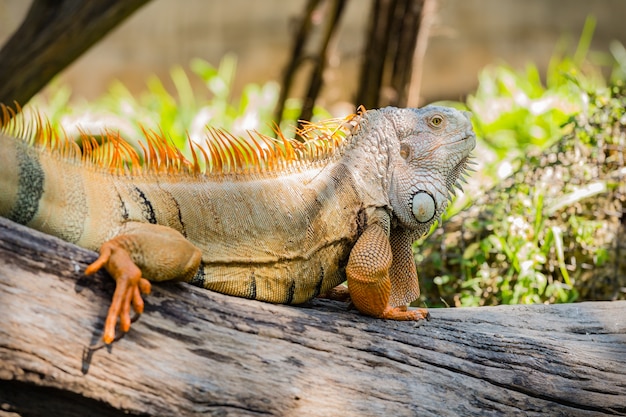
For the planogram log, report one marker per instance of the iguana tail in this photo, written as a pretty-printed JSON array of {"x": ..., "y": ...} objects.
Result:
[
  {"x": 43, "y": 179},
  {"x": 40, "y": 191}
]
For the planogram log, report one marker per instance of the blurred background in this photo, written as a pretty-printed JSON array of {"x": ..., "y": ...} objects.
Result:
[{"x": 465, "y": 36}]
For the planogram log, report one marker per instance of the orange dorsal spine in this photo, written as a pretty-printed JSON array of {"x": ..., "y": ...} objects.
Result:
[{"x": 220, "y": 154}]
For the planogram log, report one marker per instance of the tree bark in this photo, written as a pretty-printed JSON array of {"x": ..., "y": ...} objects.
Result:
[
  {"x": 194, "y": 352},
  {"x": 53, "y": 35}
]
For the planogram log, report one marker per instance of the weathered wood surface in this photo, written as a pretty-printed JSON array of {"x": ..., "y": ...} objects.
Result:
[{"x": 196, "y": 352}]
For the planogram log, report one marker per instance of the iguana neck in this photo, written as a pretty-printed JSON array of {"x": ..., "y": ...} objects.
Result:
[{"x": 367, "y": 158}]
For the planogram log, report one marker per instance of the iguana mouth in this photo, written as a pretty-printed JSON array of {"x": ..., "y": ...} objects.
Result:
[{"x": 469, "y": 135}]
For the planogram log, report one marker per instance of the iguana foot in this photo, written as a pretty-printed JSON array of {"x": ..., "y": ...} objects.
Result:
[
  {"x": 403, "y": 313},
  {"x": 369, "y": 281},
  {"x": 139, "y": 252},
  {"x": 338, "y": 293},
  {"x": 129, "y": 286}
]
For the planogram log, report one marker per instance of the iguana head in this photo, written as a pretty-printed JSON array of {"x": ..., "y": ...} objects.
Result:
[{"x": 425, "y": 166}]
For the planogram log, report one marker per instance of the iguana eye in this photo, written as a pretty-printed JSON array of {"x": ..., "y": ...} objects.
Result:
[{"x": 436, "y": 121}]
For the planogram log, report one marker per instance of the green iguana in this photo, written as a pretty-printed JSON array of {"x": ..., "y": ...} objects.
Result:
[{"x": 276, "y": 220}]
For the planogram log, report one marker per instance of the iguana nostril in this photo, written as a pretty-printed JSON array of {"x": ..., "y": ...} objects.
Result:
[{"x": 423, "y": 206}]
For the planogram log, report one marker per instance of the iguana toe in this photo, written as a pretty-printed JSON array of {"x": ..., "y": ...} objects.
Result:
[
  {"x": 129, "y": 287},
  {"x": 402, "y": 313}
]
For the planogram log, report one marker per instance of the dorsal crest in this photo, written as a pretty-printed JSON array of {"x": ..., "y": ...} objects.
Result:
[{"x": 219, "y": 154}]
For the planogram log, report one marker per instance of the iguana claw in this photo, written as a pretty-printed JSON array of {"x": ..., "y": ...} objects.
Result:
[
  {"x": 403, "y": 313},
  {"x": 129, "y": 286}
]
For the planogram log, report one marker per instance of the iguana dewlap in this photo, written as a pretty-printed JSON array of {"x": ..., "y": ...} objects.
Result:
[{"x": 272, "y": 220}]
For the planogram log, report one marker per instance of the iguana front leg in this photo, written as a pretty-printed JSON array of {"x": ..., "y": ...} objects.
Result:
[
  {"x": 142, "y": 251},
  {"x": 368, "y": 277},
  {"x": 405, "y": 286}
]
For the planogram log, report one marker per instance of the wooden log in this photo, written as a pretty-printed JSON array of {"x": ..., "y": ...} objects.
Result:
[{"x": 194, "y": 352}]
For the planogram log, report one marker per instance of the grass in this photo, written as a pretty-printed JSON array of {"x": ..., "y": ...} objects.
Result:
[{"x": 523, "y": 246}]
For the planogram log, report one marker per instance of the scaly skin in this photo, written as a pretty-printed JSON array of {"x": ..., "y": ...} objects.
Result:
[{"x": 283, "y": 236}]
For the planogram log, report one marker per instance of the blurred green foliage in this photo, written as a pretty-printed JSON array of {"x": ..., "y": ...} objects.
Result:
[
  {"x": 521, "y": 245},
  {"x": 515, "y": 111},
  {"x": 547, "y": 233},
  {"x": 183, "y": 114}
]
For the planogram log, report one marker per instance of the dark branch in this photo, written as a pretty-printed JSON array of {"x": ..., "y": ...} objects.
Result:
[{"x": 53, "y": 35}]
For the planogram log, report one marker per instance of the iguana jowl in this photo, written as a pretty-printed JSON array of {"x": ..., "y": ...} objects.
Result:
[{"x": 272, "y": 220}]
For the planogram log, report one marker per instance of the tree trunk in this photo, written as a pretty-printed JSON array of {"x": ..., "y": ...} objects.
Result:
[
  {"x": 300, "y": 38},
  {"x": 336, "y": 8},
  {"x": 53, "y": 35},
  {"x": 331, "y": 11},
  {"x": 195, "y": 352},
  {"x": 390, "y": 53}
]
